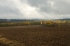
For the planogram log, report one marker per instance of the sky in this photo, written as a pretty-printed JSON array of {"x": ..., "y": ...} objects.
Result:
[{"x": 34, "y": 9}]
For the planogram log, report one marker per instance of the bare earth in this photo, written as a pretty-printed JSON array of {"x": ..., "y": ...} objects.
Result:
[{"x": 38, "y": 35}]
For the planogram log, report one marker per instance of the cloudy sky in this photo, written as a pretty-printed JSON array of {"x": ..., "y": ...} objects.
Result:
[{"x": 34, "y": 9}]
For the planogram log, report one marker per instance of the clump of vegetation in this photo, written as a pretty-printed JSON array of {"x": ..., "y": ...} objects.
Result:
[
  {"x": 57, "y": 23},
  {"x": 47, "y": 23}
]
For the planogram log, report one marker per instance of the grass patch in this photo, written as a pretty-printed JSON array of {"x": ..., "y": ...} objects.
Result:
[{"x": 7, "y": 42}]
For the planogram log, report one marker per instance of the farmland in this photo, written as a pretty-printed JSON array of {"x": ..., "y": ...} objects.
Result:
[{"x": 37, "y": 35}]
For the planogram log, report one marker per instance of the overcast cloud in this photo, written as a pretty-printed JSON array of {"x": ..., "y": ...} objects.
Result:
[{"x": 34, "y": 9}]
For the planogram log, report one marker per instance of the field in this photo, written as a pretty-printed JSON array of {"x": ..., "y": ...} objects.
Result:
[{"x": 35, "y": 35}]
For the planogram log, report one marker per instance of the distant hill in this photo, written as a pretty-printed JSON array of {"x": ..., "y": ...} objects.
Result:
[
  {"x": 20, "y": 20},
  {"x": 65, "y": 19},
  {"x": 10, "y": 20},
  {"x": 17, "y": 20}
]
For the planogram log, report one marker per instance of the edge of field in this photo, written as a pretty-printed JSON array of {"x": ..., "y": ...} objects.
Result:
[{"x": 6, "y": 42}]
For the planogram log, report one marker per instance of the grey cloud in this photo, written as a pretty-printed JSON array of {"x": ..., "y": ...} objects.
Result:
[
  {"x": 60, "y": 7},
  {"x": 37, "y": 2},
  {"x": 9, "y": 10},
  {"x": 15, "y": 9}
]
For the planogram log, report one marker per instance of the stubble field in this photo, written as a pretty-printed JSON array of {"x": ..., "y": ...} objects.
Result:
[{"x": 37, "y": 35}]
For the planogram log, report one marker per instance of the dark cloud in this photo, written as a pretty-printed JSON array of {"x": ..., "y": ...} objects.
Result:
[
  {"x": 35, "y": 9},
  {"x": 60, "y": 7},
  {"x": 37, "y": 2}
]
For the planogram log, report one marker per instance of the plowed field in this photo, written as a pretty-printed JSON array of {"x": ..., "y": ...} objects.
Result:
[{"x": 38, "y": 35}]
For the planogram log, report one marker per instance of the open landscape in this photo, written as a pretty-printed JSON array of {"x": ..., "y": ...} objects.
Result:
[
  {"x": 34, "y": 22},
  {"x": 35, "y": 35}
]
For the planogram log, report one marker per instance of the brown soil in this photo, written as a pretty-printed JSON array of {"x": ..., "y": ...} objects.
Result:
[{"x": 38, "y": 35}]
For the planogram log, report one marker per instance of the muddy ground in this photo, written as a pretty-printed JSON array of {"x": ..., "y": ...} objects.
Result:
[{"x": 38, "y": 35}]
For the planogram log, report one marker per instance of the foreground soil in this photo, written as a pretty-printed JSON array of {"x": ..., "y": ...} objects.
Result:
[{"x": 38, "y": 35}]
